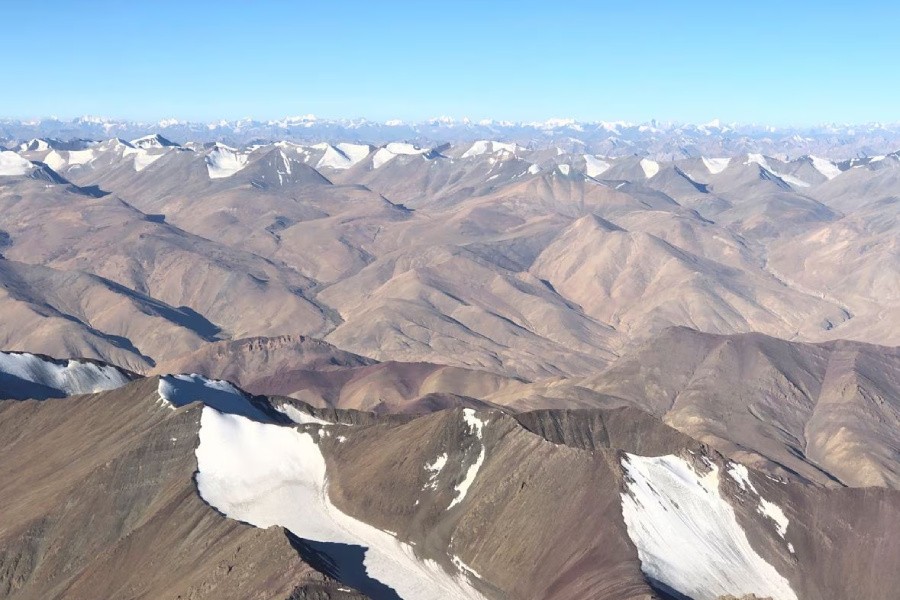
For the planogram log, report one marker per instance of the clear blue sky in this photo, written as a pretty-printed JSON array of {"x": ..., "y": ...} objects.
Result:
[{"x": 783, "y": 62}]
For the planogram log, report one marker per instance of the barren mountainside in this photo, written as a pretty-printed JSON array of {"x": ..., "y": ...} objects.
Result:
[{"x": 515, "y": 362}]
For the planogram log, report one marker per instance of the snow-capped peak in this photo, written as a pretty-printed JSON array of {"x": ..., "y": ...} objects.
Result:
[
  {"x": 716, "y": 165},
  {"x": 152, "y": 141},
  {"x": 25, "y": 375},
  {"x": 487, "y": 146},
  {"x": 383, "y": 155},
  {"x": 224, "y": 161}
]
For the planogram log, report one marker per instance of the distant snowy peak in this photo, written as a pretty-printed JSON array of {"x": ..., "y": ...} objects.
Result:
[
  {"x": 297, "y": 121},
  {"x": 152, "y": 141},
  {"x": 24, "y": 375},
  {"x": 224, "y": 161},
  {"x": 394, "y": 149},
  {"x": 34, "y": 145},
  {"x": 343, "y": 156},
  {"x": 716, "y": 165},
  {"x": 61, "y": 159},
  {"x": 763, "y": 162},
  {"x": 490, "y": 147}
]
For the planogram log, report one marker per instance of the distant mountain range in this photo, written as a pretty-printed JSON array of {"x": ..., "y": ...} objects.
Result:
[{"x": 664, "y": 141}]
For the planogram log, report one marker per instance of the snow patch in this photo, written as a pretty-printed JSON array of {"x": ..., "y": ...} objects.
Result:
[
  {"x": 487, "y": 146},
  {"x": 223, "y": 161},
  {"x": 476, "y": 427},
  {"x": 55, "y": 161},
  {"x": 774, "y": 512},
  {"x": 760, "y": 160},
  {"x": 564, "y": 169},
  {"x": 687, "y": 535},
  {"x": 142, "y": 158},
  {"x": 180, "y": 390},
  {"x": 464, "y": 568},
  {"x": 81, "y": 157},
  {"x": 394, "y": 149},
  {"x": 269, "y": 475},
  {"x": 25, "y": 375},
  {"x": 825, "y": 167},
  {"x": 34, "y": 145},
  {"x": 594, "y": 166},
  {"x": 715, "y": 165},
  {"x": 435, "y": 467},
  {"x": 12, "y": 165},
  {"x": 343, "y": 156},
  {"x": 299, "y": 417},
  {"x": 650, "y": 167},
  {"x": 741, "y": 475}
]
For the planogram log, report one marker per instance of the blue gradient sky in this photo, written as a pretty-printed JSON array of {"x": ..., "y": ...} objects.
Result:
[{"x": 775, "y": 62}]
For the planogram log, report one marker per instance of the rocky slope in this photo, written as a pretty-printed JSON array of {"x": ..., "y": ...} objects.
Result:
[{"x": 188, "y": 486}]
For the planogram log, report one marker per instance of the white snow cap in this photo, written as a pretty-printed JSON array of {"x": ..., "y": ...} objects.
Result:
[
  {"x": 394, "y": 149},
  {"x": 716, "y": 165},
  {"x": 343, "y": 156},
  {"x": 761, "y": 160},
  {"x": 24, "y": 375},
  {"x": 488, "y": 146},
  {"x": 223, "y": 161}
]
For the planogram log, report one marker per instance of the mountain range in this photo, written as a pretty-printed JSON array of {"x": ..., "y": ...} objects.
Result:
[
  {"x": 316, "y": 359},
  {"x": 657, "y": 139}
]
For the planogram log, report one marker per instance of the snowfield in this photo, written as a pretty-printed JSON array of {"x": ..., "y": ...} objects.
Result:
[
  {"x": 489, "y": 147},
  {"x": 342, "y": 156},
  {"x": 223, "y": 161},
  {"x": 270, "y": 475},
  {"x": 687, "y": 535},
  {"x": 12, "y": 165},
  {"x": 25, "y": 375},
  {"x": 142, "y": 158},
  {"x": 650, "y": 167},
  {"x": 760, "y": 160},
  {"x": 716, "y": 165},
  {"x": 825, "y": 167},
  {"x": 594, "y": 166},
  {"x": 394, "y": 149}
]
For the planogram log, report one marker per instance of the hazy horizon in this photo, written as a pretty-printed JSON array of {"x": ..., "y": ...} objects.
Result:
[{"x": 762, "y": 63}]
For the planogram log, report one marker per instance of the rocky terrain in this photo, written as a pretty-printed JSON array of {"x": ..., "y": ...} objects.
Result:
[
  {"x": 547, "y": 367},
  {"x": 184, "y": 486}
]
